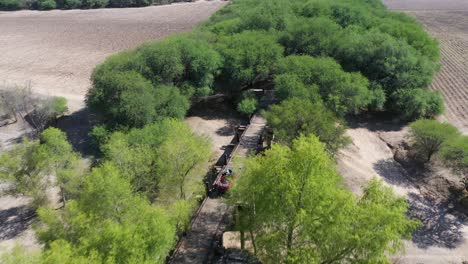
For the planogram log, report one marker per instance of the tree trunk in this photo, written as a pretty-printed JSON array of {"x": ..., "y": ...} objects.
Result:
[{"x": 253, "y": 242}]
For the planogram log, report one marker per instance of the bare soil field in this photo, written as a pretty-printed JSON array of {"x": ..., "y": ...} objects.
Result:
[
  {"x": 446, "y": 20},
  {"x": 451, "y": 29},
  {"x": 426, "y": 4},
  {"x": 57, "y": 50}
]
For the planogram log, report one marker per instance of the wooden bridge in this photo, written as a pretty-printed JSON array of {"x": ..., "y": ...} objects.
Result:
[{"x": 210, "y": 222}]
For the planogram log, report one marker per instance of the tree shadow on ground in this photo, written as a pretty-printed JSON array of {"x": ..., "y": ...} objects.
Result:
[
  {"x": 77, "y": 127},
  {"x": 14, "y": 221},
  {"x": 218, "y": 107},
  {"x": 439, "y": 226},
  {"x": 375, "y": 122},
  {"x": 392, "y": 172}
]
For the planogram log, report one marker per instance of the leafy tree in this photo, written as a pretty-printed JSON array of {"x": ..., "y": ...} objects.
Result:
[
  {"x": 247, "y": 105},
  {"x": 265, "y": 15},
  {"x": 428, "y": 136},
  {"x": 30, "y": 165},
  {"x": 9, "y": 5},
  {"x": 342, "y": 92},
  {"x": 170, "y": 102},
  {"x": 201, "y": 63},
  {"x": 315, "y": 37},
  {"x": 164, "y": 60},
  {"x": 123, "y": 97},
  {"x": 418, "y": 103},
  {"x": 293, "y": 202},
  {"x": 392, "y": 63},
  {"x": 454, "y": 153},
  {"x": 19, "y": 167},
  {"x": 71, "y": 4},
  {"x": 295, "y": 117},
  {"x": 249, "y": 57},
  {"x": 108, "y": 223},
  {"x": 46, "y": 4},
  {"x": 179, "y": 157}
]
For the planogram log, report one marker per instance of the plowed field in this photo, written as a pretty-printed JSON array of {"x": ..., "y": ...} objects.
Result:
[
  {"x": 57, "y": 50},
  {"x": 446, "y": 20}
]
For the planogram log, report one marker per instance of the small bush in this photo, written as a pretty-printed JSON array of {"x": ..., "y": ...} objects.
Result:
[
  {"x": 454, "y": 153},
  {"x": 70, "y": 4},
  {"x": 9, "y": 5},
  {"x": 428, "y": 136},
  {"x": 94, "y": 3},
  {"x": 418, "y": 103},
  {"x": 46, "y": 4},
  {"x": 247, "y": 106}
]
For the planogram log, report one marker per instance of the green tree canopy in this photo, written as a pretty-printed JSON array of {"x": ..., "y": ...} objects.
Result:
[
  {"x": 108, "y": 223},
  {"x": 34, "y": 167},
  {"x": 428, "y": 136},
  {"x": 293, "y": 203},
  {"x": 342, "y": 92},
  {"x": 249, "y": 57},
  {"x": 295, "y": 117}
]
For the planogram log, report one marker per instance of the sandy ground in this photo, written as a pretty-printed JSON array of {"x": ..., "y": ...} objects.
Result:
[{"x": 443, "y": 237}]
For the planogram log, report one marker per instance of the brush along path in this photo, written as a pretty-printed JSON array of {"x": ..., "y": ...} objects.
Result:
[{"x": 198, "y": 245}]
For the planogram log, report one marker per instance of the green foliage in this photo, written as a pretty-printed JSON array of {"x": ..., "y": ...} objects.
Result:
[
  {"x": 454, "y": 153},
  {"x": 342, "y": 92},
  {"x": 94, "y": 3},
  {"x": 160, "y": 160},
  {"x": 59, "y": 106},
  {"x": 295, "y": 117},
  {"x": 129, "y": 3},
  {"x": 46, "y": 4},
  {"x": 391, "y": 62},
  {"x": 249, "y": 57},
  {"x": 293, "y": 203},
  {"x": 29, "y": 165},
  {"x": 428, "y": 136},
  {"x": 107, "y": 223},
  {"x": 247, "y": 105},
  {"x": 71, "y": 4},
  {"x": 418, "y": 103},
  {"x": 9, "y": 5},
  {"x": 312, "y": 36}
]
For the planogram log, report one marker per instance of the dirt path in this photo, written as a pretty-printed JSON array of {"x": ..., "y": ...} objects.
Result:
[{"x": 443, "y": 237}]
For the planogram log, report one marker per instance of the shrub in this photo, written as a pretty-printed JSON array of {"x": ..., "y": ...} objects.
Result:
[
  {"x": 454, "y": 153},
  {"x": 95, "y": 3},
  {"x": 164, "y": 62},
  {"x": 124, "y": 98},
  {"x": 297, "y": 116},
  {"x": 418, "y": 103},
  {"x": 9, "y": 5},
  {"x": 428, "y": 136},
  {"x": 247, "y": 106},
  {"x": 315, "y": 37},
  {"x": 70, "y": 4},
  {"x": 249, "y": 57},
  {"x": 342, "y": 92},
  {"x": 46, "y": 4}
]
